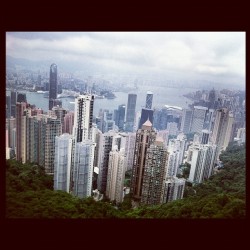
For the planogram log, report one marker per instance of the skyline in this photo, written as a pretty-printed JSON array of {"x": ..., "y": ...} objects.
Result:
[{"x": 214, "y": 56}]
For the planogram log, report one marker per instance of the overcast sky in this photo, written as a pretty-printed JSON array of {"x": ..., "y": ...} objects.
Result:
[{"x": 201, "y": 55}]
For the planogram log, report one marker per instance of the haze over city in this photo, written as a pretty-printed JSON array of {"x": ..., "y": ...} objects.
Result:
[{"x": 213, "y": 56}]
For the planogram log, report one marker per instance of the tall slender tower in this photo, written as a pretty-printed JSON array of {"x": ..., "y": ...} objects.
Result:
[
  {"x": 130, "y": 115},
  {"x": 144, "y": 138},
  {"x": 52, "y": 85},
  {"x": 83, "y": 117},
  {"x": 21, "y": 131},
  {"x": 149, "y": 100}
]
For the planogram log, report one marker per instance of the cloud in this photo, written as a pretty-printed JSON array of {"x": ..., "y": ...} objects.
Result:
[{"x": 207, "y": 54}]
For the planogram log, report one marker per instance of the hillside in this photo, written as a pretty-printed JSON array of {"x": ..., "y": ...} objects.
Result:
[{"x": 29, "y": 194}]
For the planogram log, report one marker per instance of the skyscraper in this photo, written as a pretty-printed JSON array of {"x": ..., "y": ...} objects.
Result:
[
  {"x": 52, "y": 85},
  {"x": 173, "y": 189},
  {"x": 83, "y": 117},
  {"x": 21, "y": 131},
  {"x": 60, "y": 114},
  {"x": 144, "y": 138},
  {"x": 205, "y": 136},
  {"x": 105, "y": 146},
  {"x": 154, "y": 173},
  {"x": 199, "y": 115},
  {"x": 130, "y": 114},
  {"x": 21, "y": 97},
  {"x": 176, "y": 149},
  {"x": 8, "y": 107},
  {"x": 13, "y": 101},
  {"x": 221, "y": 132},
  {"x": 62, "y": 162},
  {"x": 149, "y": 100},
  {"x": 52, "y": 129},
  {"x": 116, "y": 174},
  {"x": 120, "y": 117},
  {"x": 83, "y": 168},
  {"x": 186, "y": 121},
  {"x": 203, "y": 159},
  {"x": 145, "y": 115},
  {"x": 68, "y": 122}
]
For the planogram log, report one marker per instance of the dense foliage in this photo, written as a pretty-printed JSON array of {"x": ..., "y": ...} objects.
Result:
[{"x": 29, "y": 194}]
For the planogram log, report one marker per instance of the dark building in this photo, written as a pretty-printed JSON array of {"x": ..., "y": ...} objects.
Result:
[
  {"x": 21, "y": 97},
  {"x": 13, "y": 103},
  {"x": 119, "y": 117},
  {"x": 130, "y": 116},
  {"x": 211, "y": 99},
  {"x": 52, "y": 85},
  {"x": 145, "y": 115},
  {"x": 8, "y": 107}
]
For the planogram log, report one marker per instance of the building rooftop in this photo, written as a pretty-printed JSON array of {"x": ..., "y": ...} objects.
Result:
[{"x": 147, "y": 124}]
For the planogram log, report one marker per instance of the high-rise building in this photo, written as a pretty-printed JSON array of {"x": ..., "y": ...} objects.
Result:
[
  {"x": 105, "y": 146},
  {"x": 186, "y": 121},
  {"x": 60, "y": 114},
  {"x": 212, "y": 98},
  {"x": 199, "y": 115},
  {"x": 172, "y": 128},
  {"x": 176, "y": 149},
  {"x": 130, "y": 113},
  {"x": 154, "y": 173},
  {"x": 116, "y": 174},
  {"x": 68, "y": 122},
  {"x": 8, "y": 107},
  {"x": 11, "y": 122},
  {"x": 164, "y": 135},
  {"x": 32, "y": 139},
  {"x": 149, "y": 100},
  {"x": 52, "y": 129},
  {"x": 120, "y": 117},
  {"x": 144, "y": 138},
  {"x": 145, "y": 115},
  {"x": 205, "y": 136},
  {"x": 62, "y": 162},
  {"x": 173, "y": 189},
  {"x": 83, "y": 117},
  {"x": 21, "y": 131},
  {"x": 13, "y": 101},
  {"x": 209, "y": 119},
  {"x": 52, "y": 85},
  {"x": 203, "y": 158},
  {"x": 222, "y": 128},
  {"x": 83, "y": 168},
  {"x": 7, "y": 144},
  {"x": 21, "y": 97},
  {"x": 130, "y": 149},
  {"x": 241, "y": 135},
  {"x": 108, "y": 123}
]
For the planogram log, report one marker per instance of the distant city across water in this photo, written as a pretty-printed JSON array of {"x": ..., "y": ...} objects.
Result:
[{"x": 161, "y": 96}]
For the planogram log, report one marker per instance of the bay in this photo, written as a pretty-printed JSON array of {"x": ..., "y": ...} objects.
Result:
[{"x": 161, "y": 96}]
